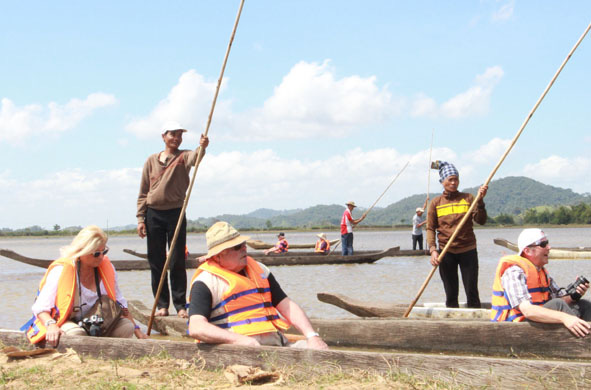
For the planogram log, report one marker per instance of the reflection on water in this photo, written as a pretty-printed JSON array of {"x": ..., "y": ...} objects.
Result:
[{"x": 394, "y": 280}]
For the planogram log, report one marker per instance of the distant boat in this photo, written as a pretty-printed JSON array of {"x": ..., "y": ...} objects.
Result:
[
  {"x": 260, "y": 245},
  {"x": 290, "y": 258},
  {"x": 573, "y": 253}
]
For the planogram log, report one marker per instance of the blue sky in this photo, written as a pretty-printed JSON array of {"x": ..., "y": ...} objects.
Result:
[{"x": 322, "y": 102}]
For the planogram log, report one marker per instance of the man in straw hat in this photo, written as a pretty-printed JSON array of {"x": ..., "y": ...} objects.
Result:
[
  {"x": 522, "y": 289},
  {"x": 236, "y": 300},
  {"x": 444, "y": 214},
  {"x": 322, "y": 245},
  {"x": 164, "y": 183},
  {"x": 347, "y": 223}
]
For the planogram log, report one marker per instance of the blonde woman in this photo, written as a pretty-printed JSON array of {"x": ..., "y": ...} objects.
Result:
[{"x": 70, "y": 288}]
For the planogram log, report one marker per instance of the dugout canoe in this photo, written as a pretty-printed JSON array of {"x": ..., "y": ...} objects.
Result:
[
  {"x": 427, "y": 310},
  {"x": 470, "y": 371},
  {"x": 574, "y": 253},
  {"x": 519, "y": 339},
  {"x": 284, "y": 259},
  {"x": 260, "y": 245}
]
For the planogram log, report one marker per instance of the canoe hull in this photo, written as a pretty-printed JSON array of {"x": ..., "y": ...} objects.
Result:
[{"x": 555, "y": 253}]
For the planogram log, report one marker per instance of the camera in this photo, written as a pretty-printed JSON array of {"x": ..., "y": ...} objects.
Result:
[
  {"x": 571, "y": 289},
  {"x": 92, "y": 325}
]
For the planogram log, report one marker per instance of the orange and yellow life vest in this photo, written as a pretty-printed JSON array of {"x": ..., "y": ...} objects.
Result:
[
  {"x": 318, "y": 248},
  {"x": 66, "y": 295},
  {"x": 537, "y": 286},
  {"x": 247, "y": 301}
]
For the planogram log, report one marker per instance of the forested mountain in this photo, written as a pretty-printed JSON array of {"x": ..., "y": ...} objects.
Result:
[{"x": 509, "y": 195}]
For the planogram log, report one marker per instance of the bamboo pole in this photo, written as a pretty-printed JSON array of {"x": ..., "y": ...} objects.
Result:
[
  {"x": 428, "y": 181},
  {"x": 478, "y": 196},
  {"x": 197, "y": 161}
]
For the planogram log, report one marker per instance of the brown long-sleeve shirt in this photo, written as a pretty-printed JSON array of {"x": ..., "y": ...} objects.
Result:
[
  {"x": 445, "y": 213},
  {"x": 163, "y": 185}
]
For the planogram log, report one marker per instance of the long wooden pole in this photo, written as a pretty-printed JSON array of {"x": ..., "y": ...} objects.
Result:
[
  {"x": 429, "y": 179},
  {"x": 468, "y": 214},
  {"x": 197, "y": 161}
]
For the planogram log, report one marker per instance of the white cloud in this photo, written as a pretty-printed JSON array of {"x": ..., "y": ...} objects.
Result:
[
  {"x": 573, "y": 171},
  {"x": 18, "y": 124},
  {"x": 476, "y": 100},
  {"x": 312, "y": 100},
  {"x": 490, "y": 152},
  {"x": 505, "y": 12},
  {"x": 188, "y": 102}
]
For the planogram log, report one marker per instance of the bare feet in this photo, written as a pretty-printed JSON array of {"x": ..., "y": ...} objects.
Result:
[
  {"x": 182, "y": 313},
  {"x": 162, "y": 312}
]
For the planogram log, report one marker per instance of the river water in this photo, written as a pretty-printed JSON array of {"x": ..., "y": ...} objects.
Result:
[{"x": 394, "y": 280}]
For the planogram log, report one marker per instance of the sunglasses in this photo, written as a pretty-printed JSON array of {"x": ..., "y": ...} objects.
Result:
[
  {"x": 103, "y": 252},
  {"x": 541, "y": 243},
  {"x": 239, "y": 246}
]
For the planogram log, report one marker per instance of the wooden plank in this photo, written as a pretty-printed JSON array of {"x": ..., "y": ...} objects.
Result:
[
  {"x": 456, "y": 336},
  {"x": 462, "y": 370}
]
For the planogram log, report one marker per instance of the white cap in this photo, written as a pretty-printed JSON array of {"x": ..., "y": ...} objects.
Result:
[
  {"x": 171, "y": 126},
  {"x": 420, "y": 209},
  {"x": 528, "y": 237}
]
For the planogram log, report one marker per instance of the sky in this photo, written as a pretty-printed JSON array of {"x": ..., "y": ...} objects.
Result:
[{"x": 322, "y": 102}]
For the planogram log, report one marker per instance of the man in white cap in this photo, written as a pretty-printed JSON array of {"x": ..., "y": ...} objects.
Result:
[
  {"x": 236, "y": 300},
  {"x": 417, "y": 227},
  {"x": 164, "y": 183},
  {"x": 522, "y": 289},
  {"x": 347, "y": 223}
]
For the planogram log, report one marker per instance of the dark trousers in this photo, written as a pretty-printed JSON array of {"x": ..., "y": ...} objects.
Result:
[
  {"x": 417, "y": 239},
  {"x": 160, "y": 226},
  {"x": 347, "y": 244},
  {"x": 448, "y": 270},
  {"x": 581, "y": 309}
]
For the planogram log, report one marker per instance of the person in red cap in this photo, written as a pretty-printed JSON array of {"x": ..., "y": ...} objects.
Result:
[{"x": 164, "y": 183}]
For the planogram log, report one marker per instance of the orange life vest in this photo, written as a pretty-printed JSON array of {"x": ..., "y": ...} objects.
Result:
[
  {"x": 66, "y": 290},
  {"x": 537, "y": 286},
  {"x": 318, "y": 247},
  {"x": 247, "y": 301},
  {"x": 282, "y": 246}
]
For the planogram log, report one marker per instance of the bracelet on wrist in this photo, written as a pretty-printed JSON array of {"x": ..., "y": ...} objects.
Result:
[
  {"x": 136, "y": 326},
  {"x": 309, "y": 335}
]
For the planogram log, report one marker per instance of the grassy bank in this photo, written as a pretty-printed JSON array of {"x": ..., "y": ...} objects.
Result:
[{"x": 69, "y": 370}]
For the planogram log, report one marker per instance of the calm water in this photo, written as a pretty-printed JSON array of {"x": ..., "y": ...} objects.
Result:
[{"x": 394, "y": 280}]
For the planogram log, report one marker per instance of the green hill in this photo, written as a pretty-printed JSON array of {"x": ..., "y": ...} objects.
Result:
[{"x": 509, "y": 195}]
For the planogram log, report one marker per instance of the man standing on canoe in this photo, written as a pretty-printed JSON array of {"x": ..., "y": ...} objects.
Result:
[
  {"x": 417, "y": 227},
  {"x": 236, "y": 300},
  {"x": 444, "y": 214},
  {"x": 522, "y": 289},
  {"x": 165, "y": 180},
  {"x": 347, "y": 223}
]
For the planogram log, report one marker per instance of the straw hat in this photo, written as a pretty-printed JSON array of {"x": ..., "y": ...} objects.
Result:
[
  {"x": 350, "y": 203},
  {"x": 322, "y": 235},
  {"x": 221, "y": 235}
]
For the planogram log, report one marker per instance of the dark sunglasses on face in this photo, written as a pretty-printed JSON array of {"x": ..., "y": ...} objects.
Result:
[
  {"x": 541, "y": 243},
  {"x": 239, "y": 246},
  {"x": 104, "y": 252}
]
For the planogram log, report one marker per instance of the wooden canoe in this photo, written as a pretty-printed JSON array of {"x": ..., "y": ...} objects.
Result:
[
  {"x": 284, "y": 259},
  {"x": 260, "y": 245},
  {"x": 470, "y": 371},
  {"x": 555, "y": 253},
  {"x": 427, "y": 335},
  {"x": 428, "y": 310}
]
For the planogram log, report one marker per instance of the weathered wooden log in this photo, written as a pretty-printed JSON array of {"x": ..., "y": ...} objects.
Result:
[
  {"x": 425, "y": 335},
  {"x": 463, "y": 370},
  {"x": 377, "y": 309},
  {"x": 555, "y": 253}
]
